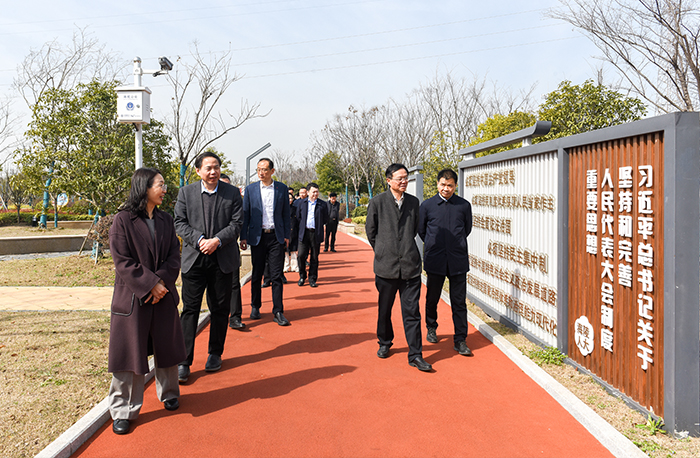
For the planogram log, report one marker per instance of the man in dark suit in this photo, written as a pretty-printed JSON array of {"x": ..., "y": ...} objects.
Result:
[
  {"x": 266, "y": 228},
  {"x": 234, "y": 321},
  {"x": 392, "y": 224},
  {"x": 445, "y": 223},
  {"x": 208, "y": 216},
  {"x": 333, "y": 218},
  {"x": 313, "y": 214}
]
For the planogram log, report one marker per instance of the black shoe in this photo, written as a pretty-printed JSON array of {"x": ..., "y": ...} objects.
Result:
[
  {"x": 462, "y": 349},
  {"x": 120, "y": 426},
  {"x": 383, "y": 351},
  {"x": 432, "y": 336},
  {"x": 255, "y": 313},
  {"x": 236, "y": 323},
  {"x": 312, "y": 284},
  {"x": 421, "y": 364},
  {"x": 213, "y": 363},
  {"x": 265, "y": 284},
  {"x": 325, "y": 250},
  {"x": 333, "y": 250},
  {"x": 301, "y": 282},
  {"x": 280, "y": 319},
  {"x": 171, "y": 404},
  {"x": 284, "y": 280},
  {"x": 183, "y": 373}
]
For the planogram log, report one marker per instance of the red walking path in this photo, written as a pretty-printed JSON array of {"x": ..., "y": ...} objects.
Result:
[{"x": 317, "y": 389}]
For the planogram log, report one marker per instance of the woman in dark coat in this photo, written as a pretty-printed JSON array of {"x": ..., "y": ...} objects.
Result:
[{"x": 144, "y": 317}]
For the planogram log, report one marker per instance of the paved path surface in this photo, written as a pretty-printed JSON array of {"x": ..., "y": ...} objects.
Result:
[
  {"x": 46, "y": 298},
  {"x": 317, "y": 389}
]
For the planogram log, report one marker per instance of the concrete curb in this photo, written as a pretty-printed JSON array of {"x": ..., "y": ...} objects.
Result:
[
  {"x": 611, "y": 438},
  {"x": 70, "y": 441}
]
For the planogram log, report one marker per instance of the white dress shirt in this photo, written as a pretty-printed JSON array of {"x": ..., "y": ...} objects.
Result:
[{"x": 267, "y": 193}]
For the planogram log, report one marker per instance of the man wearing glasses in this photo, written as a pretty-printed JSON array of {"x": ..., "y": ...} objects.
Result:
[
  {"x": 266, "y": 228},
  {"x": 392, "y": 225}
]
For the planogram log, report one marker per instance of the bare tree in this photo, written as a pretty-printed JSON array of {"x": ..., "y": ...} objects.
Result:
[
  {"x": 654, "y": 44},
  {"x": 8, "y": 123},
  {"x": 62, "y": 66},
  {"x": 405, "y": 134},
  {"x": 198, "y": 87}
]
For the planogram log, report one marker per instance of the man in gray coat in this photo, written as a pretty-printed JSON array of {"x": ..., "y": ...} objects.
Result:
[
  {"x": 208, "y": 218},
  {"x": 392, "y": 225}
]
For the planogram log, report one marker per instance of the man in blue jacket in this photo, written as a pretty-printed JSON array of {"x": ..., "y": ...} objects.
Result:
[
  {"x": 266, "y": 228},
  {"x": 444, "y": 224},
  {"x": 312, "y": 215}
]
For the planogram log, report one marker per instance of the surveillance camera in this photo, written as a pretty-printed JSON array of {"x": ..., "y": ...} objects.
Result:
[{"x": 165, "y": 64}]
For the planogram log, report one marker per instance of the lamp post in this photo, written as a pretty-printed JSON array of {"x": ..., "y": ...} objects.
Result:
[{"x": 134, "y": 103}]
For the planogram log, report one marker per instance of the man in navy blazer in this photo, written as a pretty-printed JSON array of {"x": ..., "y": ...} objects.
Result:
[
  {"x": 312, "y": 215},
  {"x": 266, "y": 228},
  {"x": 444, "y": 224}
]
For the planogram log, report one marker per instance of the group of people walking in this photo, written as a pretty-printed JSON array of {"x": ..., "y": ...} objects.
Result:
[{"x": 214, "y": 220}]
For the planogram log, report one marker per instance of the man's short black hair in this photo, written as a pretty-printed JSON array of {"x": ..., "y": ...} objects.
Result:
[
  {"x": 291, "y": 190},
  {"x": 223, "y": 176},
  {"x": 200, "y": 158},
  {"x": 332, "y": 195},
  {"x": 269, "y": 162},
  {"x": 311, "y": 185},
  {"x": 393, "y": 168},
  {"x": 447, "y": 174}
]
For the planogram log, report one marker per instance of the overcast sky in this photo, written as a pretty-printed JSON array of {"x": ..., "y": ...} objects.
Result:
[{"x": 306, "y": 60}]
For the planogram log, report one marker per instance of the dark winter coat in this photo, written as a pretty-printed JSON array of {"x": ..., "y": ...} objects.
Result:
[
  {"x": 444, "y": 227},
  {"x": 392, "y": 234},
  {"x": 137, "y": 329}
]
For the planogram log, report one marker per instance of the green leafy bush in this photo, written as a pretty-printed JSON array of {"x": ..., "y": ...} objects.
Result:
[
  {"x": 360, "y": 220},
  {"x": 359, "y": 211}
]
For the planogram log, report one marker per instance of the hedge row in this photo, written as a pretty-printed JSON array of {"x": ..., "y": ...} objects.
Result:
[{"x": 10, "y": 218}]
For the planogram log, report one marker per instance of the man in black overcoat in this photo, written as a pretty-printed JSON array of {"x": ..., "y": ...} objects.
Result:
[
  {"x": 392, "y": 224},
  {"x": 208, "y": 218},
  {"x": 445, "y": 223}
]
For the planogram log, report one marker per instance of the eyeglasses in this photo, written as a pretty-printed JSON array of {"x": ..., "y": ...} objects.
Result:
[
  {"x": 400, "y": 180},
  {"x": 262, "y": 170},
  {"x": 162, "y": 186}
]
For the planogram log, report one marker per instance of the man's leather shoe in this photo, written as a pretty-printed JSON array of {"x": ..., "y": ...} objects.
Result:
[
  {"x": 333, "y": 250},
  {"x": 301, "y": 282},
  {"x": 421, "y": 364},
  {"x": 183, "y": 373},
  {"x": 213, "y": 363},
  {"x": 284, "y": 280},
  {"x": 432, "y": 336},
  {"x": 236, "y": 323},
  {"x": 280, "y": 319},
  {"x": 171, "y": 404},
  {"x": 265, "y": 284},
  {"x": 255, "y": 313},
  {"x": 383, "y": 351},
  {"x": 462, "y": 349},
  {"x": 325, "y": 250},
  {"x": 120, "y": 426},
  {"x": 312, "y": 284}
]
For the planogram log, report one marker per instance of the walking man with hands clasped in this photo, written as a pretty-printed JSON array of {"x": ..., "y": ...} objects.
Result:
[{"x": 445, "y": 223}]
